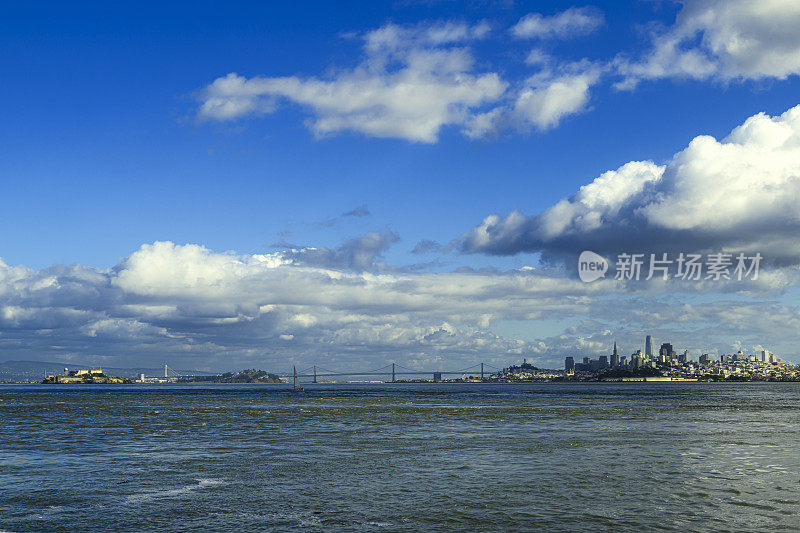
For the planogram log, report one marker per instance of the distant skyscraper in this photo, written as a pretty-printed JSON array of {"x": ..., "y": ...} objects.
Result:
[
  {"x": 603, "y": 361},
  {"x": 569, "y": 364},
  {"x": 648, "y": 346},
  {"x": 615, "y": 357},
  {"x": 667, "y": 351}
]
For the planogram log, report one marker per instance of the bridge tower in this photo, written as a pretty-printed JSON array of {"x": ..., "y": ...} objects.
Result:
[
  {"x": 481, "y": 371},
  {"x": 315, "y": 374},
  {"x": 393, "y": 373}
]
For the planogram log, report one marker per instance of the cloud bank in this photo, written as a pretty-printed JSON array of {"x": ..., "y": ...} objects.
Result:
[
  {"x": 196, "y": 308},
  {"x": 203, "y": 309}
]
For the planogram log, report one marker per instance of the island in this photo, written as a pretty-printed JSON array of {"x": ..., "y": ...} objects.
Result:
[
  {"x": 244, "y": 376},
  {"x": 84, "y": 377}
]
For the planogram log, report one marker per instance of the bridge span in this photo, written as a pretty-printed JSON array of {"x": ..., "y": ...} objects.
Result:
[{"x": 390, "y": 371}]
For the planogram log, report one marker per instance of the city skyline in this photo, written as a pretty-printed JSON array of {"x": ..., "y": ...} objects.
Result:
[
  {"x": 666, "y": 353},
  {"x": 310, "y": 184}
]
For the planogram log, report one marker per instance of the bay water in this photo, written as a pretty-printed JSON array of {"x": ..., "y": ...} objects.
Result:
[{"x": 401, "y": 457}]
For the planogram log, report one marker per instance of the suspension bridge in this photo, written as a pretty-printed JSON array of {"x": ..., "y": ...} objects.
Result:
[{"x": 390, "y": 372}]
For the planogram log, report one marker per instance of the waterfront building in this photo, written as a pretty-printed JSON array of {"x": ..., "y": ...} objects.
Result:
[
  {"x": 648, "y": 346},
  {"x": 569, "y": 364},
  {"x": 603, "y": 361}
]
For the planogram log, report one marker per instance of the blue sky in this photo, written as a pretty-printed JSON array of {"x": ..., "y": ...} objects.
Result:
[{"x": 106, "y": 146}]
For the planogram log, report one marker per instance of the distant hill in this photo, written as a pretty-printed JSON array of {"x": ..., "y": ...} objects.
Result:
[
  {"x": 245, "y": 376},
  {"x": 34, "y": 371}
]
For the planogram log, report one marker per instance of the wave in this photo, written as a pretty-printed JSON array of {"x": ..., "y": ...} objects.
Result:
[{"x": 172, "y": 493}]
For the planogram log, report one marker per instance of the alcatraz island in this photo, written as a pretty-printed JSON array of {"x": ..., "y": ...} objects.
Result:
[{"x": 84, "y": 377}]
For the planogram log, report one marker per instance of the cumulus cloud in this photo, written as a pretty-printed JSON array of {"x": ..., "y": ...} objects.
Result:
[
  {"x": 542, "y": 101},
  {"x": 722, "y": 39},
  {"x": 740, "y": 193},
  {"x": 210, "y": 308},
  {"x": 410, "y": 84},
  {"x": 549, "y": 97},
  {"x": 569, "y": 23},
  {"x": 413, "y": 81}
]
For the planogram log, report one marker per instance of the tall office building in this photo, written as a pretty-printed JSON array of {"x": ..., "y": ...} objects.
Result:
[
  {"x": 615, "y": 357},
  {"x": 648, "y": 346},
  {"x": 569, "y": 364},
  {"x": 667, "y": 351}
]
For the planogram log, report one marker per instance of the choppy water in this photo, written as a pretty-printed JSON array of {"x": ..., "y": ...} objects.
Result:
[{"x": 582, "y": 457}]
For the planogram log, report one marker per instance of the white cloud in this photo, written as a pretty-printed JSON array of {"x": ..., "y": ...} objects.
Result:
[
  {"x": 738, "y": 194},
  {"x": 393, "y": 37},
  {"x": 538, "y": 56},
  {"x": 542, "y": 101},
  {"x": 199, "y": 308},
  {"x": 550, "y": 97},
  {"x": 224, "y": 308},
  {"x": 414, "y": 81},
  {"x": 411, "y": 83},
  {"x": 724, "y": 39},
  {"x": 569, "y": 23}
]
